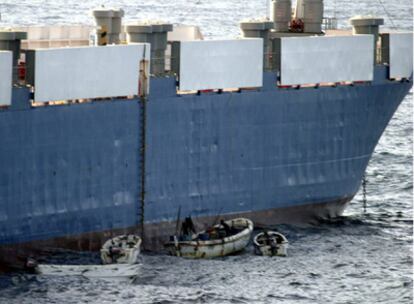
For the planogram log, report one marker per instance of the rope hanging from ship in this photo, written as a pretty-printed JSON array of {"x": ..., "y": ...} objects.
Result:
[
  {"x": 143, "y": 104},
  {"x": 388, "y": 14},
  {"x": 364, "y": 192}
]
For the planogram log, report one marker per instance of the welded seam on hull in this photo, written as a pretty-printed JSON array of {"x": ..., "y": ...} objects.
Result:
[
  {"x": 143, "y": 119},
  {"x": 314, "y": 163}
]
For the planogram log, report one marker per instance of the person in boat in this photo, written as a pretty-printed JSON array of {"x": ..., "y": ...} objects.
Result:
[
  {"x": 273, "y": 242},
  {"x": 31, "y": 265},
  {"x": 115, "y": 252},
  {"x": 267, "y": 238},
  {"x": 187, "y": 229},
  {"x": 273, "y": 245},
  {"x": 225, "y": 228}
]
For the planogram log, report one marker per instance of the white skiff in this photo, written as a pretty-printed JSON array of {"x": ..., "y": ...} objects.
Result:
[
  {"x": 270, "y": 243},
  {"x": 123, "y": 249},
  {"x": 211, "y": 243},
  {"x": 119, "y": 257}
]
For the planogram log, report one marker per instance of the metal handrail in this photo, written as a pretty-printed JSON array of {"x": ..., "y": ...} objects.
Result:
[{"x": 329, "y": 23}]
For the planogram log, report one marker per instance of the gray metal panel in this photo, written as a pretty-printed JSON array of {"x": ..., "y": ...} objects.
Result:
[
  {"x": 87, "y": 72},
  {"x": 6, "y": 72},
  {"x": 70, "y": 169},
  {"x": 221, "y": 64},
  {"x": 401, "y": 55},
  {"x": 225, "y": 153},
  {"x": 319, "y": 59},
  {"x": 206, "y": 154}
]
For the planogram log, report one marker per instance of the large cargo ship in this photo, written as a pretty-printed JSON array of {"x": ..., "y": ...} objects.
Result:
[{"x": 278, "y": 126}]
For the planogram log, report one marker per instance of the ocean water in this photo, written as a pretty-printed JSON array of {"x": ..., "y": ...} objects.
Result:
[{"x": 358, "y": 258}]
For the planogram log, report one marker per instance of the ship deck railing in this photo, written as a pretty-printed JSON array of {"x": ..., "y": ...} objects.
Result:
[{"x": 329, "y": 23}]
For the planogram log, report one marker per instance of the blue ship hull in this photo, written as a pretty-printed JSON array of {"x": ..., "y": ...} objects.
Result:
[{"x": 71, "y": 175}]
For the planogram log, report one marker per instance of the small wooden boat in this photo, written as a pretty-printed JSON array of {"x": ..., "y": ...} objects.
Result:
[
  {"x": 270, "y": 243},
  {"x": 223, "y": 239},
  {"x": 119, "y": 257},
  {"x": 123, "y": 249}
]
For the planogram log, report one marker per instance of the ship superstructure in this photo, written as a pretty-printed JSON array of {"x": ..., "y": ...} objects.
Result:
[{"x": 277, "y": 126}]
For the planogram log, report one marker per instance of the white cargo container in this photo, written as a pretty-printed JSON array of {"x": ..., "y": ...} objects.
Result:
[
  {"x": 401, "y": 55},
  {"x": 221, "y": 64},
  {"x": 88, "y": 72},
  {"x": 322, "y": 59},
  {"x": 6, "y": 72}
]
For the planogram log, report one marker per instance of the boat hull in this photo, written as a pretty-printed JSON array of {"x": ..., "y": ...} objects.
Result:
[
  {"x": 14, "y": 256},
  {"x": 269, "y": 251},
  {"x": 122, "y": 249},
  {"x": 72, "y": 176},
  {"x": 274, "y": 244},
  {"x": 214, "y": 248}
]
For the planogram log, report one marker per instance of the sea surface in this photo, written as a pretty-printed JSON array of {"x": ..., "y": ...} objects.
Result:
[{"x": 358, "y": 258}]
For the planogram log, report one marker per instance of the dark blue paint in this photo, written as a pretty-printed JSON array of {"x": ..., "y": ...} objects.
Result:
[
  {"x": 68, "y": 169},
  {"x": 20, "y": 99},
  {"x": 258, "y": 150},
  {"x": 65, "y": 170}
]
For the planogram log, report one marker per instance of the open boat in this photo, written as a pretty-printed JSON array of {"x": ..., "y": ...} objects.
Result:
[
  {"x": 123, "y": 249},
  {"x": 270, "y": 243},
  {"x": 119, "y": 257},
  {"x": 223, "y": 239}
]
